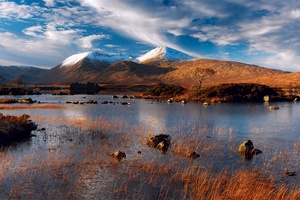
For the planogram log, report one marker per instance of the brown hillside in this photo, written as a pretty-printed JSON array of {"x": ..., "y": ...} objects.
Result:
[
  {"x": 183, "y": 73},
  {"x": 82, "y": 71},
  {"x": 127, "y": 72}
]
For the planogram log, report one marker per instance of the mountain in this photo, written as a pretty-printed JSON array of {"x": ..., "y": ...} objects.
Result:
[
  {"x": 27, "y": 74},
  {"x": 81, "y": 67},
  {"x": 161, "y": 64},
  {"x": 163, "y": 53},
  {"x": 128, "y": 72}
]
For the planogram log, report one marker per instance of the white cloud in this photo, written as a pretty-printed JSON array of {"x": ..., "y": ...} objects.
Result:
[
  {"x": 15, "y": 11},
  {"x": 33, "y": 30},
  {"x": 270, "y": 27},
  {"x": 49, "y": 3},
  {"x": 86, "y": 42}
]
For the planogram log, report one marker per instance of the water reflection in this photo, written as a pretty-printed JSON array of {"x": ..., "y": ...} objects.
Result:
[{"x": 153, "y": 116}]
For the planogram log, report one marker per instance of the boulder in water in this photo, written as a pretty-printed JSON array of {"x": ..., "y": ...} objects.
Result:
[
  {"x": 119, "y": 155},
  {"x": 161, "y": 141},
  {"x": 247, "y": 150}
]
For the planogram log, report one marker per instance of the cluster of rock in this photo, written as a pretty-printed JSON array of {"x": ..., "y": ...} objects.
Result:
[
  {"x": 95, "y": 102},
  {"x": 163, "y": 143},
  {"x": 77, "y": 102}
]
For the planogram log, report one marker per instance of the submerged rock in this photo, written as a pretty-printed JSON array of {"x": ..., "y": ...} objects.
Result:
[
  {"x": 161, "y": 141},
  {"x": 247, "y": 150}
]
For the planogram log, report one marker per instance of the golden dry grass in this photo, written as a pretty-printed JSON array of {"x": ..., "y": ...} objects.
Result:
[
  {"x": 32, "y": 106},
  {"x": 83, "y": 169}
]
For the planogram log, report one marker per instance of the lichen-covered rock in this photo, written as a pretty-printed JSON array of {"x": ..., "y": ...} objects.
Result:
[
  {"x": 247, "y": 150},
  {"x": 161, "y": 141}
]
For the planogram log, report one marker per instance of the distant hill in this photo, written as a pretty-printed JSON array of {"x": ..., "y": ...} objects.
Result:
[{"x": 27, "y": 74}]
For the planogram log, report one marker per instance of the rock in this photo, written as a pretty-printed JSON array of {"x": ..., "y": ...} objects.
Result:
[
  {"x": 296, "y": 99},
  {"x": 125, "y": 103},
  {"x": 161, "y": 141},
  {"x": 255, "y": 151},
  {"x": 91, "y": 102},
  {"x": 290, "y": 173},
  {"x": 119, "y": 155},
  {"x": 193, "y": 155},
  {"x": 206, "y": 104},
  {"x": 139, "y": 152},
  {"x": 170, "y": 100},
  {"x": 115, "y": 97},
  {"x": 273, "y": 107},
  {"x": 28, "y": 100},
  {"x": 266, "y": 98},
  {"x": 104, "y": 102},
  {"x": 247, "y": 150},
  {"x": 163, "y": 146}
]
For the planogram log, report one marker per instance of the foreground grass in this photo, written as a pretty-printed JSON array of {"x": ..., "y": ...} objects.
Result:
[{"x": 74, "y": 163}]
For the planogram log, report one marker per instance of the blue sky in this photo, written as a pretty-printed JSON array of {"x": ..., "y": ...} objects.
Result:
[{"x": 44, "y": 33}]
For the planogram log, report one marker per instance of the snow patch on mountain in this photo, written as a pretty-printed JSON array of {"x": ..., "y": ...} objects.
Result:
[
  {"x": 72, "y": 60},
  {"x": 94, "y": 56},
  {"x": 109, "y": 58},
  {"x": 162, "y": 52}
]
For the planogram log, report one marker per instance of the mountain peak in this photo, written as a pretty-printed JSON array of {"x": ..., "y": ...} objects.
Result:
[
  {"x": 72, "y": 60},
  {"x": 95, "y": 57},
  {"x": 163, "y": 53}
]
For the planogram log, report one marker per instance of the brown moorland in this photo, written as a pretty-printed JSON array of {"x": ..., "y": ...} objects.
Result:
[{"x": 183, "y": 73}]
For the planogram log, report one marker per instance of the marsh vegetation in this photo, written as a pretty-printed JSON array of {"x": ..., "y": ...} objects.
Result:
[{"x": 70, "y": 157}]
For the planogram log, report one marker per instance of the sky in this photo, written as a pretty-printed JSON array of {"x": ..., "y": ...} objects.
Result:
[{"x": 44, "y": 33}]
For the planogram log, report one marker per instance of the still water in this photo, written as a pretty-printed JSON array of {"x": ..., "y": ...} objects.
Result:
[
  {"x": 247, "y": 120},
  {"x": 275, "y": 132}
]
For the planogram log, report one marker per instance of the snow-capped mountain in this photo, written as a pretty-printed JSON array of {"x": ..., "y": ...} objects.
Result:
[
  {"x": 94, "y": 57},
  {"x": 163, "y": 53}
]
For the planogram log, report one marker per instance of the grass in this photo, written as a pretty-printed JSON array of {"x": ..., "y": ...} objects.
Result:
[
  {"x": 74, "y": 163},
  {"x": 32, "y": 106}
]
